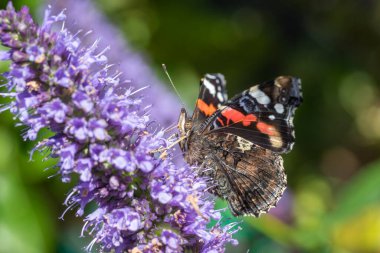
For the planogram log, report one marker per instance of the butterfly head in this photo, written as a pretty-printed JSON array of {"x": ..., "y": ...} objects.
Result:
[{"x": 184, "y": 127}]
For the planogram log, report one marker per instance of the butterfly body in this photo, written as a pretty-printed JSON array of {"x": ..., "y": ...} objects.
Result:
[{"x": 237, "y": 143}]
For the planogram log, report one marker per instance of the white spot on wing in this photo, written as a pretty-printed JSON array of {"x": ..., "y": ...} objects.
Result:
[
  {"x": 272, "y": 117},
  {"x": 220, "y": 96},
  {"x": 221, "y": 77},
  {"x": 276, "y": 141},
  {"x": 279, "y": 108},
  {"x": 244, "y": 145},
  {"x": 209, "y": 86},
  {"x": 260, "y": 96}
]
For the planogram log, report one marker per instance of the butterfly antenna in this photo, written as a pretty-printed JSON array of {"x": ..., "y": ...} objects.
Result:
[{"x": 171, "y": 82}]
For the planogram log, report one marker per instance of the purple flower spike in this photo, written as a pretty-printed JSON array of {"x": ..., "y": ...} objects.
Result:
[{"x": 144, "y": 203}]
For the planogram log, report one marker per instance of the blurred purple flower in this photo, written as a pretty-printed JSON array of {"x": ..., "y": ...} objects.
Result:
[
  {"x": 132, "y": 64},
  {"x": 143, "y": 203},
  {"x": 284, "y": 211}
]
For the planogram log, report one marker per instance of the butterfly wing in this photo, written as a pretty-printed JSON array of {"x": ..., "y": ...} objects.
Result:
[
  {"x": 212, "y": 95},
  {"x": 250, "y": 178},
  {"x": 262, "y": 114}
]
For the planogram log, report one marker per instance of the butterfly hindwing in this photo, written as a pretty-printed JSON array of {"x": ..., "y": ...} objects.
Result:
[
  {"x": 212, "y": 95},
  {"x": 262, "y": 114},
  {"x": 250, "y": 178}
]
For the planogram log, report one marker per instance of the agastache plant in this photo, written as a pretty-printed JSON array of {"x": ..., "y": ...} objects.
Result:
[{"x": 103, "y": 141}]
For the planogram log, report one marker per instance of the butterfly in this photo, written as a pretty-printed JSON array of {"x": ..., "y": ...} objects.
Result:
[{"x": 237, "y": 143}]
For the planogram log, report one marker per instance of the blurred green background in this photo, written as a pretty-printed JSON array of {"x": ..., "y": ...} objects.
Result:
[{"x": 333, "y": 199}]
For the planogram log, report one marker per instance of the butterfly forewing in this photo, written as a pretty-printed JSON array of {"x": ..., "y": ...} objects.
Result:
[
  {"x": 262, "y": 114},
  {"x": 212, "y": 94}
]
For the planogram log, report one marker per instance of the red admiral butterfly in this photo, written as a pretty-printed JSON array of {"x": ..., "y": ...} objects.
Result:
[{"x": 237, "y": 142}]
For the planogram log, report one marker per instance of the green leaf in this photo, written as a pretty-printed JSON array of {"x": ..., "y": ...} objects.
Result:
[
  {"x": 363, "y": 190},
  {"x": 24, "y": 218}
]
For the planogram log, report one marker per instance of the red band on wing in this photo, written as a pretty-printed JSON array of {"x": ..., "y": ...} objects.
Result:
[
  {"x": 236, "y": 116},
  {"x": 208, "y": 110},
  {"x": 249, "y": 119},
  {"x": 267, "y": 129}
]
